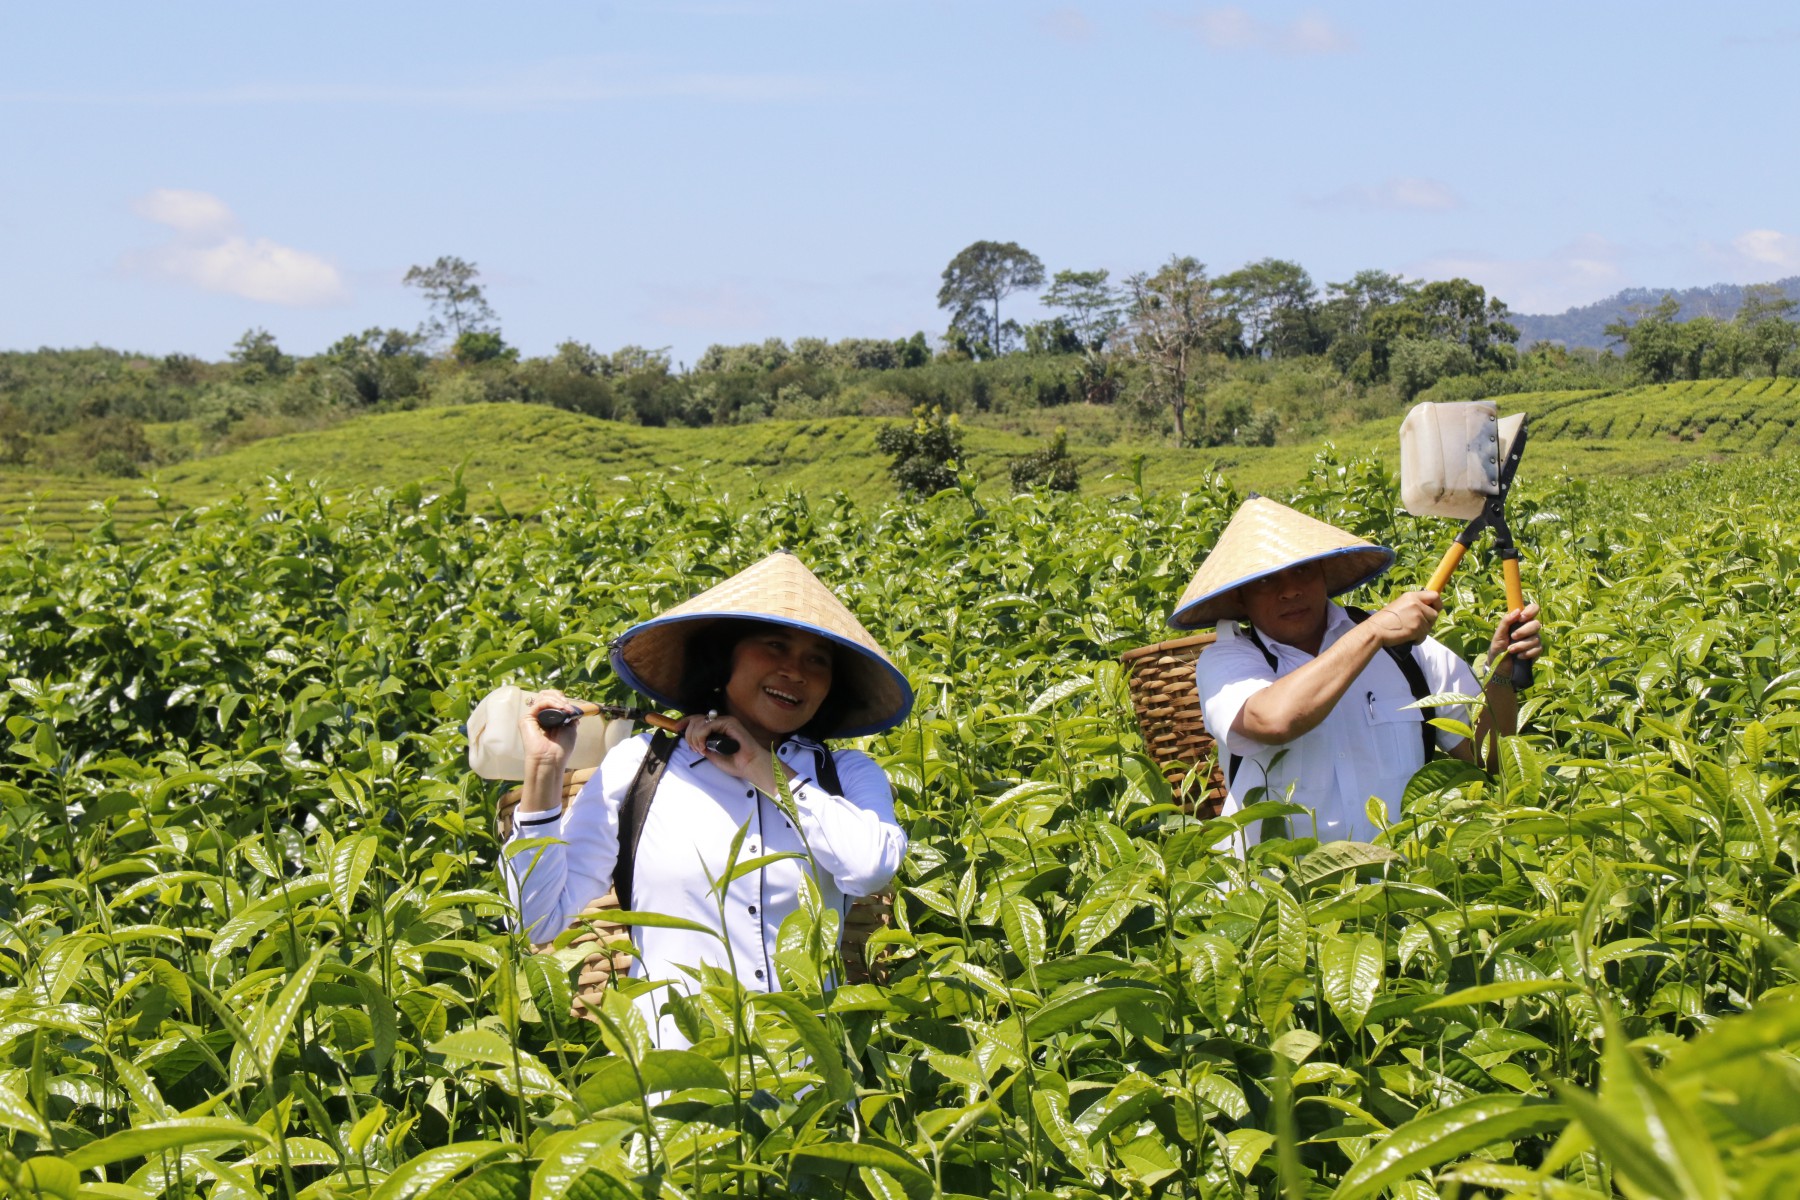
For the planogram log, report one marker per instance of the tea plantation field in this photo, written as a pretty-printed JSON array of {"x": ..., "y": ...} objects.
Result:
[
  {"x": 253, "y": 941},
  {"x": 515, "y": 458}
]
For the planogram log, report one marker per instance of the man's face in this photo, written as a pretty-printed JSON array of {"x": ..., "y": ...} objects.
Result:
[{"x": 1289, "y": 605}]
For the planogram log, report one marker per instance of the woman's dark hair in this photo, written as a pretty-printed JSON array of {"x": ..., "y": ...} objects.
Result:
[{"x": 706, "y": 669}]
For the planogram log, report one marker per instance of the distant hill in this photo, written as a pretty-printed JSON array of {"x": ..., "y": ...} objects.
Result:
[
  {"x": 1586, "y": 326},
  {"x": 519, "y": 457}
]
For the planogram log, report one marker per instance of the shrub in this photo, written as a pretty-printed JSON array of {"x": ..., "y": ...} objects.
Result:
[
  {"x": 925, "y": 454},
  {"x": 1050, "y": 467}
]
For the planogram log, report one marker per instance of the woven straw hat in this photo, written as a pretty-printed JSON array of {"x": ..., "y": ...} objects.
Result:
[
  {"x": 1264, "y": 537},
  {"x": 780, "y": 590}
]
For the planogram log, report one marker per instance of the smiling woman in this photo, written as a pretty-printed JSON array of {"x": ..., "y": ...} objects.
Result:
[{"x": 770, "y": 659}]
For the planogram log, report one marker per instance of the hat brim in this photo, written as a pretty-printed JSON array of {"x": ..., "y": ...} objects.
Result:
[
  {"x": 651, "y": 657},
  {"x": 1346, "y": 569}
]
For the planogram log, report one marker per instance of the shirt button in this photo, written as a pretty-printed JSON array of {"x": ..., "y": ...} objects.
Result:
[
  {"x": 759, "y": 972},
  {"x": 751, "y": 792},
  {"x": 753, "y": 910}
]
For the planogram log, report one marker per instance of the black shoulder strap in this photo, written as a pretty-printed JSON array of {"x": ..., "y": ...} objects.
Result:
[
  {"x": 828, "y": 775},
  {"x": 635, "y": 810},
  {"x": 1407, "y": 659},
  {"x": 1237, "y": 760}
]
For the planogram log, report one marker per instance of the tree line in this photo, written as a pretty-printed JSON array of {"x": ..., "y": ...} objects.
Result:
[
  {"x": 1659, "y": 347},
  {"x": 1249, "y": 356}
]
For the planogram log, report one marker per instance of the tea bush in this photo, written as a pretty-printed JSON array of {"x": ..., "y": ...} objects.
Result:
[{"x": 253, "y": 937}]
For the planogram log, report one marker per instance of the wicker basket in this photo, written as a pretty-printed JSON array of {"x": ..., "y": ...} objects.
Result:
[
  {"x": 1168, "y": 713},
  {"x": 611, "y": 941}
]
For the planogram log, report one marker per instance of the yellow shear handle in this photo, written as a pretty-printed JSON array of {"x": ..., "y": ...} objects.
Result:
[
  {"x": 1515, "y": 591},
  {"x": 1448, "y": 565}
]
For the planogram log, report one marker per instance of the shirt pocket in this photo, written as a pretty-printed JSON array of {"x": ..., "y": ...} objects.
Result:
[{"x": 1396, "y": 732}]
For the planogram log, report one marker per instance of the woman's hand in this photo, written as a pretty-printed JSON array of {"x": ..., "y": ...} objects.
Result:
[
  {"x": 1517, "y": 635},
  {"x": 545, "y": 749},
  {"x": 546, "y": 754},
  {"x": 752, "y": 763}
]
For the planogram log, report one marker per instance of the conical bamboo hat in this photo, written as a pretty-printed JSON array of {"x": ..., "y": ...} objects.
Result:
[
  {"x": 779, "y": 589},
  {"x": 1264, "y": 537}
]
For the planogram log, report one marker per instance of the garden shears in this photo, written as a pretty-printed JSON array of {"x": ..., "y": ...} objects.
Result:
[
  {"x": 496, "y": 751},
  {"x": 1458, "y": 460}
]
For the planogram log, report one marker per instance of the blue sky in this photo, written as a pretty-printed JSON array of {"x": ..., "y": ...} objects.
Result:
[{"x": 677, "y": 174}]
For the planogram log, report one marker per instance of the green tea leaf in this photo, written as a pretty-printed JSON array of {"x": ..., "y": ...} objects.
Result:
[
  {"x": 154, "y": 1137},
  {"x": 420, "y": 1174},
  {"x": 1082, "y": 1002},
  {"x": 825, "y": 1054},
  {"x": 1218, "y": 979},
  {"x": 1489, "y": 993},
  {"x": 662, "y": 1071},
  {"x": 350, "y": 863},
  {"x": 879, "y": 1156},
  {"x": 1335, "y": 858},
  {"x": 1447, "y": 1135},
  {"x": 1352, "y": 966},
  {"x": 1025, "y": 933}
]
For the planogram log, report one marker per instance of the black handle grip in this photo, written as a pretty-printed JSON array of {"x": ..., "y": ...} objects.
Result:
[
  {"x": 551, "y": 719},
  {"x": 1521, "y": 674}
]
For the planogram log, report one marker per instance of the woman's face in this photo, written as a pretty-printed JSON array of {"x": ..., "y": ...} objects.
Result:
[{"x": 779, "y": 677}]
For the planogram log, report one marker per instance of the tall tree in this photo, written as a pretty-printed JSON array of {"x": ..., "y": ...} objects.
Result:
[
  {"x": 259, "y": 355},
  {"x": 1171, "y": 315},
  {"x": 1455, "y": 311},
  {"x": 1653, "y": 343},
  {"x": 1276, "y": 306},
  {"x": 1458, "y": 310},
  {"x": 982, "y": 275},
  {"x": 1348, "y": 315},
  {"x": 458, "y": 304},
  {"x": 1350, "y": 303},
  {"x": 1091, "y": 306},
  {"x": 1766, "y": 332}
]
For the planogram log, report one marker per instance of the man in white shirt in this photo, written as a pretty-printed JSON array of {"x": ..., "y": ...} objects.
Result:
[{"x": 1311, "y": 703}]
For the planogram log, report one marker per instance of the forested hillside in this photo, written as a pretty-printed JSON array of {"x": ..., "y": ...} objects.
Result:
[{"x": 1585, "y": 326}]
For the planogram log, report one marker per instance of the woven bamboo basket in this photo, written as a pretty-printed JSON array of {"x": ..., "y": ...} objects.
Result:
[
  {"x": 611, "y": 941},
  {"x": 1168, "y": 713}
]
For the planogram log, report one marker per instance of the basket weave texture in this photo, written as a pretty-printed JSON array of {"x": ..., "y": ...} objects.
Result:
[
  {"x": 611, "y": 942},
  {"x": 1168, "y": 713}
]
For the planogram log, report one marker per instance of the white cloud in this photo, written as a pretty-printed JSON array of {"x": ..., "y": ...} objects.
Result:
[
  {"x": 185, "y": 212},
  {"x": 1067, "y": 24},
  {"x": 211, "y": 252},
  {"x": 1768, "y": 248},
  {"x": 1581, "y": 272},
  {"x": 1228, "y": 27},
  {"x": 1403, "y": 193},
  {"x": 1313, "y": 34}
]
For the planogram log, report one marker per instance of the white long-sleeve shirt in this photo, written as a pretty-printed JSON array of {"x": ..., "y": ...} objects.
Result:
[
  {"x": 855, "y": 841},
  {"x": 1369, "y": 745}
]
